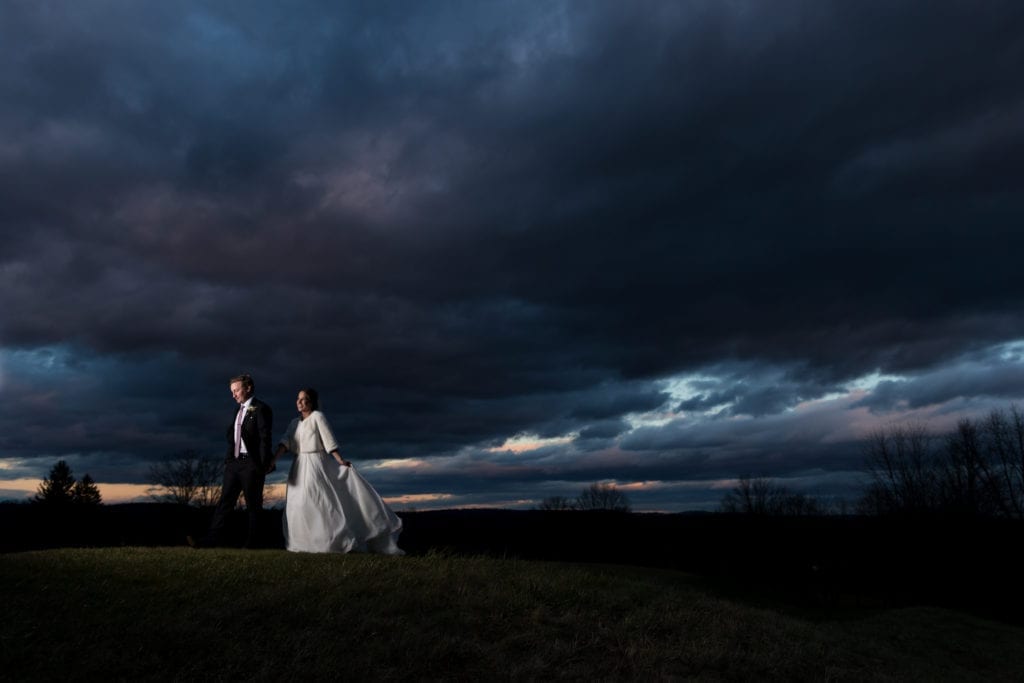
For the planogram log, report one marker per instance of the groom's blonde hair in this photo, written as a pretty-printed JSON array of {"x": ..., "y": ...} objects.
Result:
[{"x": 246, "y": 381}]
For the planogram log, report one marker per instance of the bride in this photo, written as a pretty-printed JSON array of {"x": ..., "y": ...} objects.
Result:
[{"x": 329, "y": 507}]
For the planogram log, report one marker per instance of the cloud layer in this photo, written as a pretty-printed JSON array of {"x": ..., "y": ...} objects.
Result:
[{"x": 668, "y": 242}]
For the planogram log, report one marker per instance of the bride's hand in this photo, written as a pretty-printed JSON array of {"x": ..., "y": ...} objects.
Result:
[{"x": 342, "y": 461}]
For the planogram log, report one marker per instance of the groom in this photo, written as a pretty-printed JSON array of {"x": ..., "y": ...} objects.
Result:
[{"x": 247, "y": 459}]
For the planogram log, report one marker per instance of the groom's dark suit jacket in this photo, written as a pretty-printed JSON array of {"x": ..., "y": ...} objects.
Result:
[{"x": 256, "y": 426}]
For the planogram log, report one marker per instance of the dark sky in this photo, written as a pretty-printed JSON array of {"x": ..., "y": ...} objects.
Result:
[{"x": 519, "y": 247}]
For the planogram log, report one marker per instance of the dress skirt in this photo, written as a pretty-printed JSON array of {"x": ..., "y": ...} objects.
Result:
[{"x": 330, "y": 508}]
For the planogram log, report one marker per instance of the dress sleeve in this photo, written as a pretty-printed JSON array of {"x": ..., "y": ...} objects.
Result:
[
  {"x": 288, "y": 440},
  {"x": 326, "y": 435}
]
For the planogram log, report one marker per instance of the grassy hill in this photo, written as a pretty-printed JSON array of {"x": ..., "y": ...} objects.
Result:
[{"x": 176, "y": 613}]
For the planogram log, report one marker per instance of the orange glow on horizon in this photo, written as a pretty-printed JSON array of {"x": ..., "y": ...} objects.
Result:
[
  {"x": 115, "y": 493},
  {"x": 28, "y": 486},
  {"x": 111, "y": 493},
  {"x": 409, "y": 498}
]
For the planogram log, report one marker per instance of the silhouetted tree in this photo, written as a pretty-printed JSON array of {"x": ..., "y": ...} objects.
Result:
[
  {"x": 557, "y": 503},
  {"x": 904, "y": 467},
  {"x": 751, "y": 496},
  {"x": 86, "y": 492},
  {"x": 762, "y": 496},
  {"x": 602, "y": 497},
  {"x": 797, "y": 505},
  {"x": 967, "y": 487},
  {"x": 1005, "y": 443},
  {"x": 976, "y": 470},
  {"x": 188, "y": 479},
  {"x": 57, "y": 488}
]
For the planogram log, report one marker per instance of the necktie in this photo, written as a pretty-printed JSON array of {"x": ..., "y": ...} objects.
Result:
[{"x": 238, "y": 430}]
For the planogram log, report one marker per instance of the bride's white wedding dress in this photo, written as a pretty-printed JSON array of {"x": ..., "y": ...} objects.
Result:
[{"x": 330, "y": 508}]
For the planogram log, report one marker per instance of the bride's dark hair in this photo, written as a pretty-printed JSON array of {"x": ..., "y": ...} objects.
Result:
[{"x": 314, "y": 398}]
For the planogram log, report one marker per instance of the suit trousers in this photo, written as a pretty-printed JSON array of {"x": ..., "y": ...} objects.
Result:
[{"x": 242, "y": 475}]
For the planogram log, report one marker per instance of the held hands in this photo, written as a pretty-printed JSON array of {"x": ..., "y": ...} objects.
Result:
[
  {"x": 281, "y": 450},
  {"x": 341, "y": 461}
]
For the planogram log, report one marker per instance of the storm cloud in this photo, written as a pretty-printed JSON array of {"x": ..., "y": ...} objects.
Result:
[{"x": 522, "y": 247}]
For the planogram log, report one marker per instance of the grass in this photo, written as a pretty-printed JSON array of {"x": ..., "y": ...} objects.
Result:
[{"x": 175, "y": 613}]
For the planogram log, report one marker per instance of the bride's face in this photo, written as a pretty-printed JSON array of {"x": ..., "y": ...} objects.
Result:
[{"x": 303, "y": 404}]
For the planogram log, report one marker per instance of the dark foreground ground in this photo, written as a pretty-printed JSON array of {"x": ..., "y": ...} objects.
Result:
[{"x": 818, "y": 562}]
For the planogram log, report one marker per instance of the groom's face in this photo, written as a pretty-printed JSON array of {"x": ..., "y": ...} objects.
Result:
[{"x": 240, "y": 392}]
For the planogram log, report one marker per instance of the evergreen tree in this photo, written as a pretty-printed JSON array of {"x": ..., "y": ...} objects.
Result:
[
  {"x": 58, "y": 488},
  {"x": 86, "y": 492}
]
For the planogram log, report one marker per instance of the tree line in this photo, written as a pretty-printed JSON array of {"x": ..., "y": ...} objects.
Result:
[
  {"x": 977, "y": 470},
  {"x": 763, "y": 496},
  {"x": 974, "y": 471},
  {"x": 60, "y": 488},
  {"x": 597, "y": 496}
]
